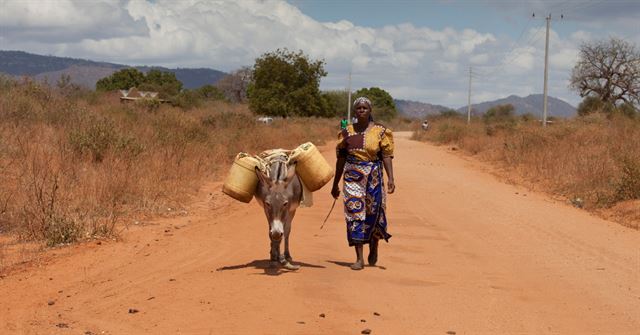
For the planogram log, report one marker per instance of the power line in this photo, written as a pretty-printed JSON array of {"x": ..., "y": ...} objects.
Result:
[{"x": 533, "y": 38}]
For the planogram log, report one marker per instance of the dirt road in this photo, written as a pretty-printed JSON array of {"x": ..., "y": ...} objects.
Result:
[{"x": 469, "y": 255}]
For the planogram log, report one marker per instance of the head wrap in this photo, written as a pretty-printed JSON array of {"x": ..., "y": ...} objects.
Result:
[{"x": 362, "y": 100}]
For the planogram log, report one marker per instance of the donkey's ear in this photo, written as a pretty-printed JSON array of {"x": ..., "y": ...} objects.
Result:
[
  {"x": 291, "y": 173},
  {"x": 262, "y": 177}
]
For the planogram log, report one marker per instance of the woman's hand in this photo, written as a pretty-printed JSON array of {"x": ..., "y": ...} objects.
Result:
[
  {"x": 391, "y": 186},
  {"x": 335, "y": 191}
]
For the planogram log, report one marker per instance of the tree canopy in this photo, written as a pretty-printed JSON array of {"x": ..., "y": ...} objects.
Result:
[
  {"x": 286, "y": 84},
  {"x": 121, "y": 80},
  {"x": 383, "y": 106},
  {"x": 337, "y": 101},
  {"x": 608, "y": 70},
  {"x": 165, "y": 83}
]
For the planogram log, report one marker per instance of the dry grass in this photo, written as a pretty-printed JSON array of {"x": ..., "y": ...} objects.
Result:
[
  {"x": 593, "y": 162},
  {"x": 75, "y": 166}
]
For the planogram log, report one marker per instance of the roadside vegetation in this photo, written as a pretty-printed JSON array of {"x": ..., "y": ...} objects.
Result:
[
  {"x": 592, "y": 161},
  {"x": 77, "y": 163}
]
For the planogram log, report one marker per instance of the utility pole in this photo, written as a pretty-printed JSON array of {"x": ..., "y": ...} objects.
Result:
[
  {"x": 546, "y": 70},
  {"x": 349, "y": 102},
  {"x": 469, "y": 99}
]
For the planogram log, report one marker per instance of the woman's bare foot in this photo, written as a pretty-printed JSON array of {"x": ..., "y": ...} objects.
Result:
[{"x": 359, "y": 264}]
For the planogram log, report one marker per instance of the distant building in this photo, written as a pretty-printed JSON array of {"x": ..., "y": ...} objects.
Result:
[{"x": 133, "y": 94}]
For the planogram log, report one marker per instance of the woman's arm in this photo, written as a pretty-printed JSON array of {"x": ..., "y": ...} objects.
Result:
[
  {"x": 388, "y": 166},
  {"x": 335, "y": 190}
]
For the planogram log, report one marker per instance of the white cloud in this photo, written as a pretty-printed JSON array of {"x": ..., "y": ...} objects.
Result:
[{"x": 409, "y": 61}]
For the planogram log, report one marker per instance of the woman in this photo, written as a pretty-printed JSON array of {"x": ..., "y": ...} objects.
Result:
[{"x": 362, "y": 150}]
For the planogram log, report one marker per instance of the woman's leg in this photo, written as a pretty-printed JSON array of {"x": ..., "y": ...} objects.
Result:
[
  {"x": 359, "y": 264},
  {"x": 373, "y": 251}
]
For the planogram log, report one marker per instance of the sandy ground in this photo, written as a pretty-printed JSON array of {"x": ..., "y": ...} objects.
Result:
[{"x": 469, "y": 255}]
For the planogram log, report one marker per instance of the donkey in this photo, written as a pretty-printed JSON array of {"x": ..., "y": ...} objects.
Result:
[{"x": 279, "y": 194}]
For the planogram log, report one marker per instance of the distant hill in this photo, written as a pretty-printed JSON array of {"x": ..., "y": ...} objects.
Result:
[
  {"x": 86, "y": 72},
  {"x": 530, "y": 104},
  {"x": 416, "y": 109}
]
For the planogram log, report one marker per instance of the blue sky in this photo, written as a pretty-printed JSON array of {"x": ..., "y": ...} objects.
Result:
[
  {"x": 500, "y": 17},
  {"x": 434, "y": 14},
  {"x": 417, "y": 50}
]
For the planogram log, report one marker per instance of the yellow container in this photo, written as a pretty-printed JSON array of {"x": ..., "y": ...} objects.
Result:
[
  {"x": 311, "y": 166},
  {"x": 242, "y": 180}
]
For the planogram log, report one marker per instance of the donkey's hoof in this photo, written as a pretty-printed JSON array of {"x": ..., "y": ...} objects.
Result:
[
  {"x": 290, "y": 266},
  {"x": 273, "y": 264}
]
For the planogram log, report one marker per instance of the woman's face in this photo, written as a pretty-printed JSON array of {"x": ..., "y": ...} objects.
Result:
[{"x": 362, "y": 111}]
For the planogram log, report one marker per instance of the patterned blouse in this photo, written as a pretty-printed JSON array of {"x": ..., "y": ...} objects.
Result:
[{"x": 373, "y": 144}]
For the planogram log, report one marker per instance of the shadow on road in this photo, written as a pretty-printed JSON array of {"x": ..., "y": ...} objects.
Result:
[
  {"x": 348, "y": 265},
  {"x": 265, "y": 264}
]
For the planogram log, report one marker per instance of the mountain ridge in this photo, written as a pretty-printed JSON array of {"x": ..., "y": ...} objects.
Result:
[
  {"x": 86, "y": 72},
  {"x": 530, "y": 104}
]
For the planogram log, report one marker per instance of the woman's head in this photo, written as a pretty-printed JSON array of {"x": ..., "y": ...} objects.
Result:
[{"x": 362, "y": 109}]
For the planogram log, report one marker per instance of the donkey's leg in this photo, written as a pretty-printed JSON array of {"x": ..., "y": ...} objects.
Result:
[
  {"x": 287, "y": 231},
  {"x": 287, "y": 255},
  {"x": 275, "y": 252}
]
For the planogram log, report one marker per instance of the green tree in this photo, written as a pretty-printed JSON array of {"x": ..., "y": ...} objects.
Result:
[
  {"x": 337, "y": 102},
  {"x": 210, "y": 92},
  {"x": 286, "y": 84},
  {"x": 121, "y": 80},
  {"x": 383, "y": 106},
  {"x": 165, "y": 83}
]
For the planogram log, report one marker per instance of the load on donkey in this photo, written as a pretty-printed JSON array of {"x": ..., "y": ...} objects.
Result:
[{"x": 281, "y": 180}]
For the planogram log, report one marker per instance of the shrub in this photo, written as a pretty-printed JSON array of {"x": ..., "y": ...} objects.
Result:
[
  {"x": 73, "y": 170},
  {"x": 94, "y": 136},
  {"x": 628, "y": 186},
  {"x": 500, "y": 113},
  {"x": 449, "y": 132}
]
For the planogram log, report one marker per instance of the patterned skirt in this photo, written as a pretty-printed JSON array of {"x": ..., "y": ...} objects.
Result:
[{"x": 364, "y": 201}]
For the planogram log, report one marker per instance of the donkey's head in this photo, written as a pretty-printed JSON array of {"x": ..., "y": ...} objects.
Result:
[{"x": 276, "y": 196}]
